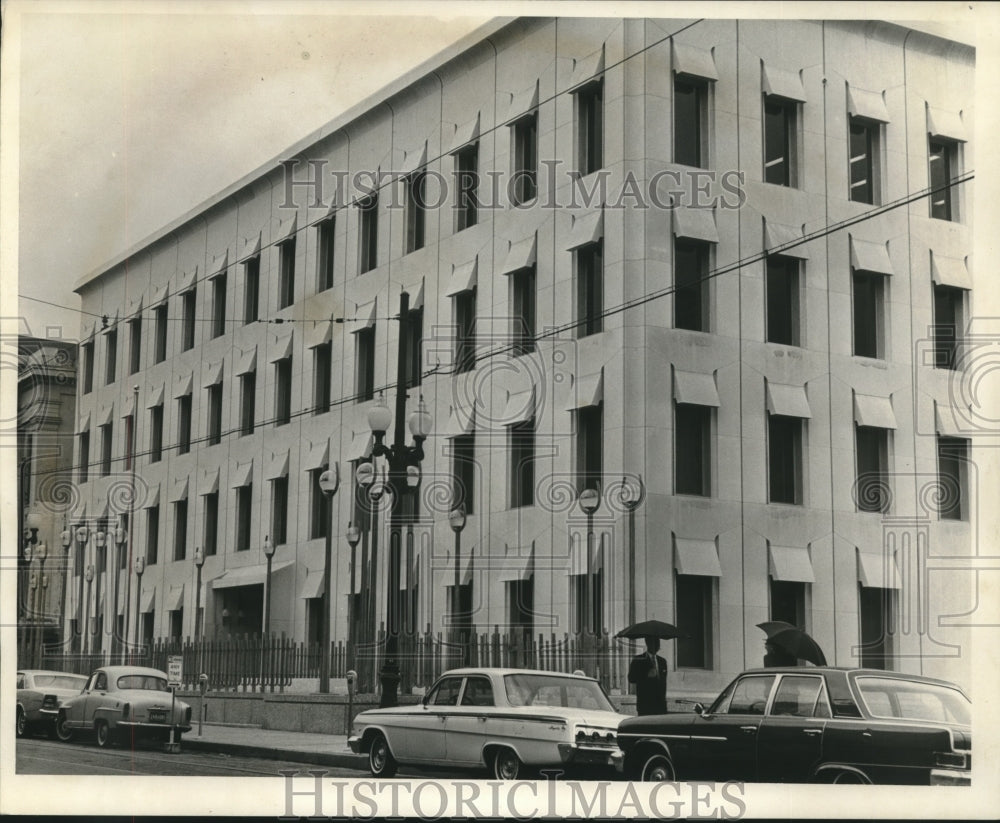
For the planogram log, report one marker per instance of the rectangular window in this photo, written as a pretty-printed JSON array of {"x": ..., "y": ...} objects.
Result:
[
  {"x": 248, "y": 402},
  {"x": 463, "y": 470},
  {"x": 106, "y": 441},
  {"x": 943, "y": 160},
  {"x": 214, "y": 428},
  {"x": 784, "y": 449},
  {"x": 251, "y": 289},
  {"x": 872, "y": 455},
  {"x": 129, "y": 440},
  {"x": 525, "y": 172},
  {"x": 84, "y": 462},
  {"x": 416, "y": 211},
  {"x": 587, "y": 601},
  {"x": 319, "y": 508},
  {"x": 691, "y": 285},
  {"x": 589, "y": 448},
  {"x": 692, "y": 449},
  {"x": 466, "y": 187},
  {"x": 465, "y": 330},
  {"x": 788, "y": 602},
  {"x": 364, "y": 364},
  {"x": 210, "y": 539},
  {"x": 368, "y": 216},
  {"x": 948, "y": 309},
  {"x": 188, "y": 300},
  {"x": 324, "y": 242},
  {"x": 779, "y": 141},
  {"x": 783, "y": 300},
  {"x": 244, "y": 513},
  {"x": 869, "y": 312},
  {"x": 414, "y": 337},
  {"x": 286, "y": 273},
  {"x": 279, "y": 510},
  {"x": 690, "y": 114},
  {"x": 152, "y": 535},
  {"x": 877, "y": 611},
  {"x": 282, "y": 391},
  {"x": 156, "y": 433},
  {"x": 694, "y": 617},
  {"x": 590, "y": 289},
  {"x": 88, "y": 367},
  {"x": 180, "y": 529},
  {"x": 160, "y": 333},
  {"x": 111, "y": 352},
  {"x": 219, "y": 305},
  {"x": 953, "y": 472},
  {"x": 184, "y": 424},
  {"x": 322, "y": 365},
  {"x": 522, "y": 464},
  {"x": 863, "y": 152},
  {"x": 176, "y": 624},
  {"x": 590, "y": 127},
  {"x": 521, "y": 608},
  {"x": 523, "y": 300},
  {"x": 135, "y": 344}
]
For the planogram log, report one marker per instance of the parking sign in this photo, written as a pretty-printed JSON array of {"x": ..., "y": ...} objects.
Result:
[{"x": 175, "y": 671}]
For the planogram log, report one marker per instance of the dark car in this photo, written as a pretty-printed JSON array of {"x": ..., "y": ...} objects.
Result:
[{"x": 819, "y": 725}]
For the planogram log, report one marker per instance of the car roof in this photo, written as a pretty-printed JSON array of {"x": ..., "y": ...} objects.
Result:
[
  {"x": 118, "y": 671},
  {"x": 500, "y": 672},
  {"x": 851, "y": 672},
  {"x": 50, "y": 671}
]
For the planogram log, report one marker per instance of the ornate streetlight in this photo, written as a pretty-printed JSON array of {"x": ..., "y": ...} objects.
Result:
[
  {"x": 199, "y": 561},
  {"x": 589, "y": 501},
  {"x": 100, "y": 540},
  {"x": 33, "y": 522},
  {"x": 269, "y": 555},
  {"x": 353, "y": 537},
  {"x": 40, "y": 553},
  {"x": 329, "y": 482},
  {"x": 120, "y": 536},
  {"x": 88, "y": 645},
  {"x": 67, "y": 540},
  {"x": 82, "y": 534},
  {"x": 631, "y": 496},
  {"x": 457, "y": 519},
  {"x": 140, "y": 567}
]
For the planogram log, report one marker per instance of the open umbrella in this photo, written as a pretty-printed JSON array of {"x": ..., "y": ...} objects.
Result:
[
  {"x": 793, "y": 640},
  {"x": 653, "y": 628}
]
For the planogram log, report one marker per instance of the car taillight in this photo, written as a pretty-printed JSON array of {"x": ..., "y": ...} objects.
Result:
[
  {"x": 50, "y": 701},
  {"x": 953, "y": 760},
  {"x": 126, "y": 710}
]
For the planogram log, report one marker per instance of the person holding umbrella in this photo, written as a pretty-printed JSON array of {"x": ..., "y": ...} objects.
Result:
[
  {"x": 786, "y": 645},
  {"x": 648, "y": 671}
]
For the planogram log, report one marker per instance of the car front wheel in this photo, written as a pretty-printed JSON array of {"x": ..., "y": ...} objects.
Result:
[
  {"x": 103, "y": 734},
  {"x": 381, "y": 763},
  {"x": 22, "y": 722},
  {"x": 506, "y": 765},
  {"x": 63, "y": 732},
  {"x": 657, "y": 769}
]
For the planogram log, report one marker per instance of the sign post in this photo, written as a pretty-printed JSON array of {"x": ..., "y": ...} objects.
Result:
[{"x": 175, "y": 675}]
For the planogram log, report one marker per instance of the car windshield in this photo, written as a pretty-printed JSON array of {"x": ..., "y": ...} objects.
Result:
[
  {"x": 553, "y": 690},
  {"x": 60, "y": 681},
  {"x": 913, "y": 700},
  {"x": 149, "y": 682}
]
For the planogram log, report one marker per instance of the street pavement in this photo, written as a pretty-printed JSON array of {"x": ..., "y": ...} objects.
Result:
[{"x": 250, "y": 741}]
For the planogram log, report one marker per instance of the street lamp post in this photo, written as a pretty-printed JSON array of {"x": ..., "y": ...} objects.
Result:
[
  {"x": 116, "y": 640},
  {"x": 329, "y": 482},
  {"x": 265, "y": 640},
  {"x": 456, "y": 519},
  {"x": 140, "y": 567},
  {"x": 375, "y": 489},
  {"x": 631, "y": 498},
  {"x": 82, "y": 534},
  {"x": 67, "y": 540},
  {"x": 41, "y": 552},
  {"x": 32, "y": 549},
  {"x": 28, "y": 637},
  {"x": 589, "y": 500},
  {"x": 88, "y": 644},
  {"x": 353, "y": 537},
  {"x": 199, "y": 561},
  {"x": 100, "y": 541}
]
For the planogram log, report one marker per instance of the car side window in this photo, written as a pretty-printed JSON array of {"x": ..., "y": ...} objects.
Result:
[
  {"x": 92, "y": 683},
  {"x": 20, "y": 681},
  {"x": 750, "y": 695},
  {"x": 101, "y": 684},
  {"x": 446, "y": 694},
  {"x": 796, "y": 696},
  {"x": 478, "y": 692}
]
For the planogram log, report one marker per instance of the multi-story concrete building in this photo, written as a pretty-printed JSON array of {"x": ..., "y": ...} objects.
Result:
[{"x": 699, "y": 253}]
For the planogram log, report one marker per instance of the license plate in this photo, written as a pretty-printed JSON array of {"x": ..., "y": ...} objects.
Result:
[{"x": 157, "y": 716}]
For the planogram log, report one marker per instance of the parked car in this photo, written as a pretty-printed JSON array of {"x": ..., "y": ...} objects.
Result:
[
  {"x": 39, "y": 695},
  {"x": 507, "y": 720},
  {"x": 119, "y": 702},
  {"x": 820, "y": 724}
]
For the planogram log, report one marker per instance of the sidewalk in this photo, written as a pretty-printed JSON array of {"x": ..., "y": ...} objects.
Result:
[{"x": 300, "y": 747}]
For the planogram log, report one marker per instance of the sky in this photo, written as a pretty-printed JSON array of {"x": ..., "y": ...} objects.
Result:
[{"x": 129, "y": 114}]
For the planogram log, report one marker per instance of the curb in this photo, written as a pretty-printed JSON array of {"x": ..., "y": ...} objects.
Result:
[{"x": 346, "y": 759}]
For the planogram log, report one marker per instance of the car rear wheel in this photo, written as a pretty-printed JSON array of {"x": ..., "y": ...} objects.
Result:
[
  {"x": 22, "y": 722},
  {"x": 103, "y": 732},
  {"x": 506, "y": 764},
  {"x": 63, "y": 732},
  {"x": 657, "y": 769},
  {"x": 381, "y": 763}
]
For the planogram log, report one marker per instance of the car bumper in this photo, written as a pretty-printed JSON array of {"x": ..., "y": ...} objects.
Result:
[
  {"x": 618, "y": 761},
  {"x": 47, "y": 715},
  {"x": 950, "y": 777},
  {"x": 139, "y": 726},
  {"x": 355, "y": 743},
  {"x": 586, "y": 755}
]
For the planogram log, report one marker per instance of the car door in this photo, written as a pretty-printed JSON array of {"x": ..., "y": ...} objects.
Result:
[
  {"x": 467, "y": 726},
  {"x": 96, "y": 696},
  {"x": 422, "y": 734},
  {"x": 790, "y": 739},
  {"x": 723, "y": 745},
  {"x": 76, "y": 709}
]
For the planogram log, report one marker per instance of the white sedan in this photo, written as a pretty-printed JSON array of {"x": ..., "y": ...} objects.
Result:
[{"x": 508, "y": 720}]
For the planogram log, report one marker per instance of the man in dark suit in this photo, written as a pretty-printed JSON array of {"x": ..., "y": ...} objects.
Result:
[{"x": 649, "y": 673}]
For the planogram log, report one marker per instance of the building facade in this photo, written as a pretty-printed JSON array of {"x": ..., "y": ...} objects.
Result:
[{"x": 719, "y": 269}]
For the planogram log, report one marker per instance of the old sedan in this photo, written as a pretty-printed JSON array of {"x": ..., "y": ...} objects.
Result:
[
  {"x": 39, "y": 695},
  {"x": 507, "y": 720},
  {"x": 819, "y": 724},
  {"x": 120, "y": 703}
]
